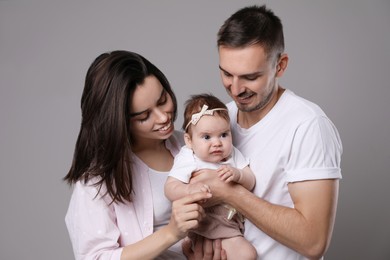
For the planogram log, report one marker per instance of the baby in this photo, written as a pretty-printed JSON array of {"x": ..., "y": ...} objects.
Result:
[{"x": 209, "y": 145}]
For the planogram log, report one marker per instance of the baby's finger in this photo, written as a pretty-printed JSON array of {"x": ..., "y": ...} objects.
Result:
[{"x": 205, "y": 188}]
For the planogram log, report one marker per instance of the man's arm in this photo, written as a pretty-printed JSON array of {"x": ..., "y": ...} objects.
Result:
[{"x": 306, "y": 228}]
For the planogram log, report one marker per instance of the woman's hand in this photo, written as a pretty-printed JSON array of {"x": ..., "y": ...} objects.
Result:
[
  {"x": 204, "y": 249},
  {"x": 187, "y": 213}
]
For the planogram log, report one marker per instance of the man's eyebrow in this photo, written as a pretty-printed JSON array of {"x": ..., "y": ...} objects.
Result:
[
  {"x": 242, "y": 76},
  {"x": 223, "y": 69},
  {"x": 141, "y": 112}
]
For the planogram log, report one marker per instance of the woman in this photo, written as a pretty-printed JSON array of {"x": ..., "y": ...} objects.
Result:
[{"x": 122, "y": 157}]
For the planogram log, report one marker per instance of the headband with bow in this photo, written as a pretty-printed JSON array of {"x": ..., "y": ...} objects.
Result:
[{"x": 197, "y": 116}]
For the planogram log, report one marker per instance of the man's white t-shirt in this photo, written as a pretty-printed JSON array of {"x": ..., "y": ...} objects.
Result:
[{"x": 294, "y": 142}]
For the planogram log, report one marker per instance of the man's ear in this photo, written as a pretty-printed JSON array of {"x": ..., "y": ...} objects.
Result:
[
  {"x": 282, "y": 65},
  {"x": 187, "y": 140}
]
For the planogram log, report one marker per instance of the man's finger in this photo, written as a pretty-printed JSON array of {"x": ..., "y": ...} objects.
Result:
[
  {"x": 208, "y": 250},
  {"x": 186, "y": 247},
  {"x": 219, "y": 252}
]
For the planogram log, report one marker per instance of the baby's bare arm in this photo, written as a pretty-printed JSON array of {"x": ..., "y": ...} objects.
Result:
[
  {"x": 248, "y": 179},
  {"x": 175, "y": 189}
]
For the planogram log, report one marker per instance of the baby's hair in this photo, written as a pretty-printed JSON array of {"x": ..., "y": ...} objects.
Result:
[{"x": 195, "y": 104}]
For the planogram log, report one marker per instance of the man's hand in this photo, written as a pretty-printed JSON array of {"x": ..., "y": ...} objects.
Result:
[
  {"x": 204, "y": 249},
  {"x": 217, "y": 187}
]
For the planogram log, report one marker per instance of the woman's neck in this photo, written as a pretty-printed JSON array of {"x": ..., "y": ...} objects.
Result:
[
  {"x": 155, "y": 155},
  {"x": 153, "y": 145}
]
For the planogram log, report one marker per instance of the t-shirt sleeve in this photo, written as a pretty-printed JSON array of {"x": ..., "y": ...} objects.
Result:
[
  {"x": 239, "y": 159},
  {"x": 183, "y": 165},
  {"x": 316, "y": 151}
]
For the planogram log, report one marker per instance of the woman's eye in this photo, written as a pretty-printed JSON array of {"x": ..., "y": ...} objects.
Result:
[
  {"x": 163, "y": 99},
  {"x": 143, "y": 119}
]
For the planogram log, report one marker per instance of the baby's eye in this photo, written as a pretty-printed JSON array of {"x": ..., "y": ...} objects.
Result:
[
  {"x": 206, "y": 137},
  {"x": 224, "y": 135}
]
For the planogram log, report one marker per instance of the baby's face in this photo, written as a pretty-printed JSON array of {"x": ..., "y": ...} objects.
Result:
[{"x": 211, "y": 139}]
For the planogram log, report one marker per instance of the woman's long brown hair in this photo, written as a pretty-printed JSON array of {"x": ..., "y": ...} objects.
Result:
[{"x": 103, "y": 146}]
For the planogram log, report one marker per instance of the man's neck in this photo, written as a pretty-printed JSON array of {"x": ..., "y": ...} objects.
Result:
[{"x": 248, "y": 119}]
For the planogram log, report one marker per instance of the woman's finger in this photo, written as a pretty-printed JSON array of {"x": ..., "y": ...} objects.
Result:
[{"x": 193, "y": 198}]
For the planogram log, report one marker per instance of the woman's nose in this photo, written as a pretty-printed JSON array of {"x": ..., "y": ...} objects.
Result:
[{"x": 162, "y": 116}]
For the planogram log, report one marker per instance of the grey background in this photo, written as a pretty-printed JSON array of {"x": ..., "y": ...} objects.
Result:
[{"x": 339, "y": 58}]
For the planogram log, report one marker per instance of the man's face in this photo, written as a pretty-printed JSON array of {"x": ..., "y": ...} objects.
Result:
[{"x": 248, "y": 76}]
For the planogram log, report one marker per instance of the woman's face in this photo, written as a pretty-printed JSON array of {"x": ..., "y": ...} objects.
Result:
[{"x": 151, "y": 112}]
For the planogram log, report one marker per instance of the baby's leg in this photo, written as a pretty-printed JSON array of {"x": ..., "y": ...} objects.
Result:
[{"x": 239, "y": 248}]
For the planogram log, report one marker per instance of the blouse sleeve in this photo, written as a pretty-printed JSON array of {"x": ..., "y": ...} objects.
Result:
[{"x": 91, "y": 224}]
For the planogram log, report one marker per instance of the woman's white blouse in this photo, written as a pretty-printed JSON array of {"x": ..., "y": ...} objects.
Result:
[{"x": 99, "y": 229}]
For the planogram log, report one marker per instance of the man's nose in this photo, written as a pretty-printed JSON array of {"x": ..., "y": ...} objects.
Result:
[{"x": 236, "y": 87}]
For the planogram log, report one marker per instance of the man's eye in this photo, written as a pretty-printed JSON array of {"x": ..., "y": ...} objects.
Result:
[{"x": 251, "y": 78}]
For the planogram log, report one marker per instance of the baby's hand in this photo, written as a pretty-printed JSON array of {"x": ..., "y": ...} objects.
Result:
[
  {"x": 228, "y": 173},
  {"x": 196, "y": 187}
]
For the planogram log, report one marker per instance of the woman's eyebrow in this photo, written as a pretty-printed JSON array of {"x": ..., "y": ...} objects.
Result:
[{"x": 138, "y": 113}]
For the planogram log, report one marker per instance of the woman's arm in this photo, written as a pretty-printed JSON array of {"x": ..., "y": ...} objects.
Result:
[
  {"x": 186, "y": 215},
  {"x": 93, "y": 230}
]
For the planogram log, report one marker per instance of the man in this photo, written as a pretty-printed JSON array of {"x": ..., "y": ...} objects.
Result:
[{"x": 294, "y": 149}]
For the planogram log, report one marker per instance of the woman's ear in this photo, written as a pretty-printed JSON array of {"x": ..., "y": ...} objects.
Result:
[
  {"x": 282, "y": 65},
  {"x": 187, "y": 140}
]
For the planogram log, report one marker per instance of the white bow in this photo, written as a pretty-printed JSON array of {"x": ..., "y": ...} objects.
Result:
[{"x": 197, "y": 116}]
